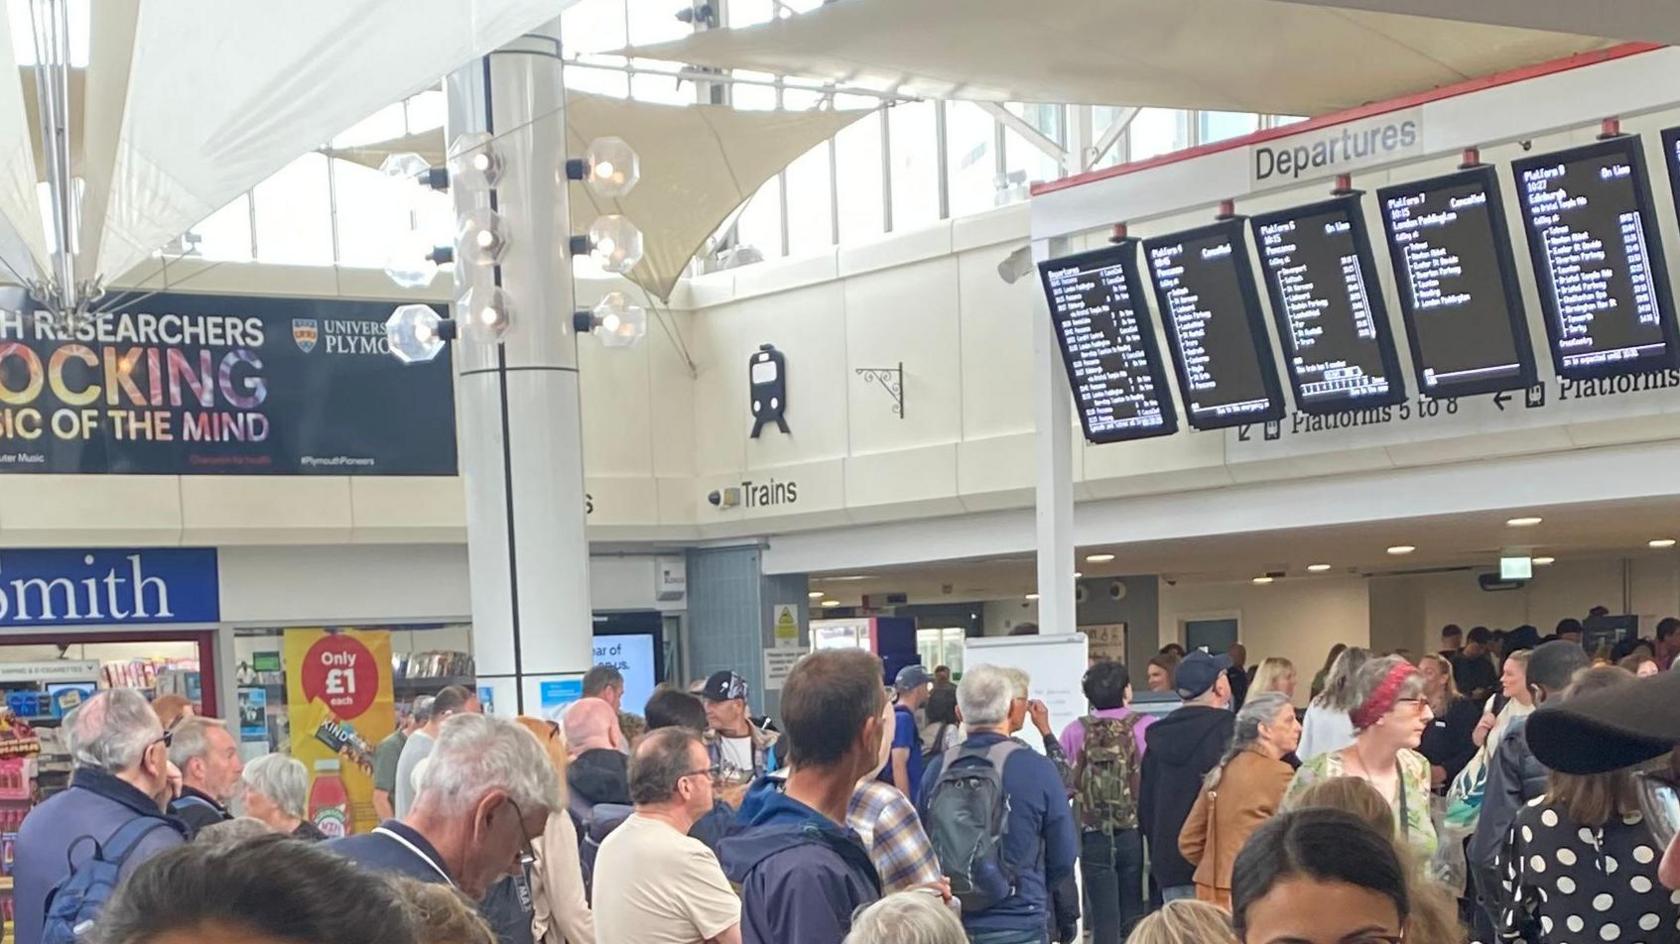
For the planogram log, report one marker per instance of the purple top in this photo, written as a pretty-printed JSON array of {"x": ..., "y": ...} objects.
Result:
[{"x": 1073, "y": 736}]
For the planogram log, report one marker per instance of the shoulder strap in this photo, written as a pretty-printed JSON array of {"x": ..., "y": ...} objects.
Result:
[
  {"x": 999, "y": 752},
  {"x": 122, "y": 842}
]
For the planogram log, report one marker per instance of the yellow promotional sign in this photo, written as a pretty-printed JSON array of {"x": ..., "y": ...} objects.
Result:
[{"x": 339, "y": 702}]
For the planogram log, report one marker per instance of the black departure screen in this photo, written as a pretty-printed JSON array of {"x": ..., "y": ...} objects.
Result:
[
  {"x": 1328, "y": 304},
  {"x": 1108, "y": 344},
  {"x": 1457, "y": 284},
  {"x": 1206, "y": 292},
  {"x": 1598, "y": 262}
]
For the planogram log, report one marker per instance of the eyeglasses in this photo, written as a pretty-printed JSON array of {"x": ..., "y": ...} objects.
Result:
[
  {"x": 167, "y": 739},
  {"x": 527, "y": 852},
  {"x": 714, "y": 771},
  {"x": 1416, "y": 704}
]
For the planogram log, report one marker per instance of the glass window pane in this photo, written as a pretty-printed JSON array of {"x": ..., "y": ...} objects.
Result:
[
  {"x": 427, "y": 110},
  {"x": 601, "y": 81},
  {"x": 810, "y": 206},
  {"x": 753, "y": 97},
  {"x": 858, "y": 154},
  {"x": 750, "y": 12},
  {"x": 226, "y": 234},
  {"x": 593, "y": 26},
  {"x": 1218, "y": 125},
  {"x": 915, "y": 164},
  {"x": 970, "y": 140},
  {"x": 1024, "y": 161},
  {"x": 660, "y": 88},
  {"x": 1102, "y": 117},
  {"x": 375, "y": 213},
  {"x": 655, "y": 21},
  {"x": 1158, "y": 131},
  {"x": 294, "y": 215},
  {"x": 760, "y": 224}
]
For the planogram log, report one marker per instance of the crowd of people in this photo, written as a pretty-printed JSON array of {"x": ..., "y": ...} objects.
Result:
[{"x": 1506, "y": 788}]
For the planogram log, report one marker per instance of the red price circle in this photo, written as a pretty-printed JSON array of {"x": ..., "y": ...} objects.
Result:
[{"x": 340, "y": 671}]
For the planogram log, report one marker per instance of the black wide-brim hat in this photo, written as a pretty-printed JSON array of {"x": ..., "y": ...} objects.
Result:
[{"x": 1609, "y": 729}]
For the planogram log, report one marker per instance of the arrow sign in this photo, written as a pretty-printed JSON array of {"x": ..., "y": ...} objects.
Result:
[
  {"x": 1243, "y": 433},
  {"x": 1500, "y": 399}
]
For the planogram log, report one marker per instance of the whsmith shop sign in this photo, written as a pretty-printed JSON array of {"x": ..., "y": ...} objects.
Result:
[
  {"x": 186, "y": 384},
  {"x": 52, "y": 587}
]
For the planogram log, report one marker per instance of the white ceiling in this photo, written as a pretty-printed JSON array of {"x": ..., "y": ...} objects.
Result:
[{"x": 1573, "y": 532}]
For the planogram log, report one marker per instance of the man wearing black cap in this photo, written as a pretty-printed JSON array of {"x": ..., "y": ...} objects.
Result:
[
  {"x": 741, "y": 752},
  {"x": 1515, "y": 776},
  {"x": 1182, "y": 748},
  {"x": 1627, "y": 726}
]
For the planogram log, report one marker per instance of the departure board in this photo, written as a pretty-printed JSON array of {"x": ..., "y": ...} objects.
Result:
[
  {"x": 1598, "y": 261},
  {"x": 1327, "y": 302},
  {"x": 1211, "y": 309},
  {"x": 1108, "y": 344},
  {"x": 1457, "y": 284}
]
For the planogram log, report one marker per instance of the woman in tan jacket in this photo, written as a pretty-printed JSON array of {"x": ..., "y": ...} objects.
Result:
[
  {"x": 1244, "y": 790},
  {"x": 562, "y": 911}
]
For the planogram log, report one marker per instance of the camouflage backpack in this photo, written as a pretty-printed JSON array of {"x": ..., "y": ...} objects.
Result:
[{"x": 1104, "y": 775}]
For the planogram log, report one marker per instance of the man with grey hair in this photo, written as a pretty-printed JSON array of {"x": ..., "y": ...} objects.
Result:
[
  {"x": 485, "y": 796},
  {"x": 656, "y": 884},
  {"x": 907, "y": 918},
  {"x": 1038, "y": 844},
  {"x": 208, "y": 758},
  {"x": 116, "y": 799}
]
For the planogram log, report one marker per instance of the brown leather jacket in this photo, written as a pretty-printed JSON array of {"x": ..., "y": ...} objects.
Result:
[{"x": 1248, "y": 793}]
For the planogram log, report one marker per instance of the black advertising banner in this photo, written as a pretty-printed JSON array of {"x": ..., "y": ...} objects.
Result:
[{"x": 182, "y": 384}]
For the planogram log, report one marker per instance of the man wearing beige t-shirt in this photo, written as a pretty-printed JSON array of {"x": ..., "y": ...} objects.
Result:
[{"x": 653, "y": 884}]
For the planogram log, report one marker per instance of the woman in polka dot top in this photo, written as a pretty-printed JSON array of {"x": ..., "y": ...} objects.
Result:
[{"x": 1580, "y": 866}]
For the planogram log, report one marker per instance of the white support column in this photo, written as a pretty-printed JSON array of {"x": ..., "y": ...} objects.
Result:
[
  {"x": 517, "y": 402},
  {"x": 1053, "y": 446}
]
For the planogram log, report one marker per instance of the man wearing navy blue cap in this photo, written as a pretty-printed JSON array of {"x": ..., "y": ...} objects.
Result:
[
  {"x": 1182, "y": 748},
  {"x": 904, "y": 771}
]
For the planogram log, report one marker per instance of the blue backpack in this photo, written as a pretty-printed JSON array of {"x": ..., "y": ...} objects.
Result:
[{"x": 74, "y": 903}]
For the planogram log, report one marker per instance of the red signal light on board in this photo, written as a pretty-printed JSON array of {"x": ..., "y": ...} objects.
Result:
[
  {"x": 1344, "y": 184},
  {"x": 1609, "y": 128},
  {"x": 1118, "y": 233},
  {"x": 1227, "y": 209},
  {"x": 1472, "y": 158}
]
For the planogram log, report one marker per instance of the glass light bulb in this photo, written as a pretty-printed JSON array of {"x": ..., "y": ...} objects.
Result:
[
  {"x": 413, "y": 335},
  {"x": 610, "y": 323},
  {"x": 604, "y": 170},
  {"x": 474, "y": 164},
  {"x": 616, "y": 243},
  {"x": 482, "y": 237},
  {"x": 606, "y": 246},
  {"x": 619, "y": 323},
  {"x": 613, "y": 166},
  {"x": 489, "y": 312}
]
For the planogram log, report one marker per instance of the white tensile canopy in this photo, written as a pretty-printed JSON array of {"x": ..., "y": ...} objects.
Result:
[
  {"x": 1656, "y": 21},
  {"x": 699, "y": 163},
  {"x": 183, "y": 106},
  {"x": 1266, "y": 56}
]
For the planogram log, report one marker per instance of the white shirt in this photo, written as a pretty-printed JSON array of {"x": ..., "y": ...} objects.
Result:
[
  {"x": 736, "y": 753},
  {"x": 1323, "y": 730},
  {"x": 654, "y": 885}
]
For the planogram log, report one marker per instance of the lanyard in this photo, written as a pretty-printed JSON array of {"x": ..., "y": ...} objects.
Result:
[{"x": 382, "y": 831}]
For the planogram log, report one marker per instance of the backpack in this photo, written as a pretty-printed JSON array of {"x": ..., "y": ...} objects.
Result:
[
  {"x": 967, "y": 818},
  {"x": 1103, "y": 777},
  {"x": 602, "y": 820},
  {"x": 75, "y": 902}
]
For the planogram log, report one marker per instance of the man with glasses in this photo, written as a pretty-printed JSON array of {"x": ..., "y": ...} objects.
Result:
[
  {"x": 653, "y": 883},
  {"x": 121, "y": 753},
  {"x": 483, "y": 798}
]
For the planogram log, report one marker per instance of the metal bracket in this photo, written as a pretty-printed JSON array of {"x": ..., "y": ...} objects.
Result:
[{"x": 891, "y": 380}]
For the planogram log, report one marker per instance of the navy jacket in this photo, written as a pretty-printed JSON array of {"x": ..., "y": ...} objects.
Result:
[
  {"x": 96, "y": 805},
  {"x": 1515, "y": 776},
  {"x": 801, "y": 875},
  {"x": 1041, "y": 843},
  {"x": 198, "y": 810},
  {"x": 1183, "y": 747},
  {"x": 507, "y": 906}
]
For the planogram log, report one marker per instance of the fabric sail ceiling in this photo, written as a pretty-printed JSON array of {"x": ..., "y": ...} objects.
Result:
[
  {"x": 1655, "y": 21},
  {"x": 1264, "y": 56},
  {"x": 699, "y": 163},
  {"x": 185, "y": 106}
]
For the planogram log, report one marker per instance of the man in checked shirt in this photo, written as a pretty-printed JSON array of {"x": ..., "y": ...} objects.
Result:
[{"x": 886, "y": 821}]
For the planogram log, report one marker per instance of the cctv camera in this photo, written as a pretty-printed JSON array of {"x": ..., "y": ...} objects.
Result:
[
  {"x": 716, "y": 498},
  {"x": 1526, "y": 145}
]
